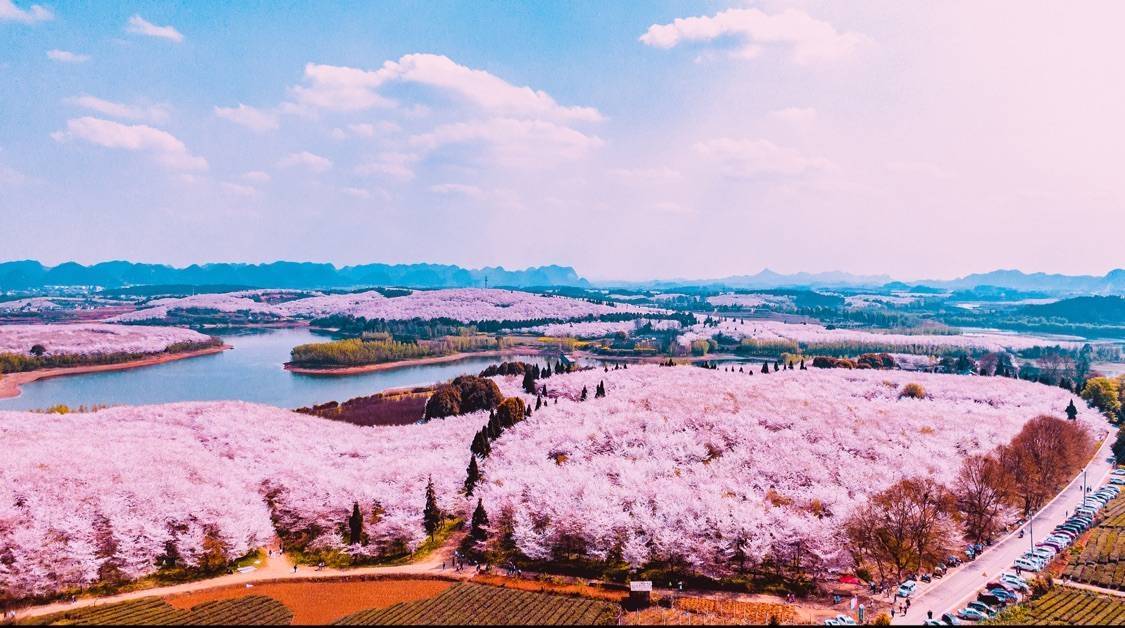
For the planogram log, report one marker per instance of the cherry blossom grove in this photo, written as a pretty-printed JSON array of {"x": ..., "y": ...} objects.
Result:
[
  {"x": 93, "y": 338},
  {"x": 684, "y": 463},
  {"x": 462, "y": 304},
  {"x": 813, "y": 334},
  {"x": 135, "y": 478}
]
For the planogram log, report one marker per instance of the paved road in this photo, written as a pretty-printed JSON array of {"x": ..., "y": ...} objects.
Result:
[{"x": 960, "y": 586}]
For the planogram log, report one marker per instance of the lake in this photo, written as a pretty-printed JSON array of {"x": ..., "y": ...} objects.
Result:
[{"x": 251, "y": 371}]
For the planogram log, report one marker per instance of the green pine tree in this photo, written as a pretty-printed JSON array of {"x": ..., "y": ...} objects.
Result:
[
  {"x": 431, "y": 514},
  {"x": 472, "y": 476}
]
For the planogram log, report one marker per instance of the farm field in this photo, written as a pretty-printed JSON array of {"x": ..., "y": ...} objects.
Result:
[
  {"x": 322, "y": 602},
  {"x": 251, "y": 610},
  {"x": 1101, "y": 561},
  {"x": 1064, "y": 605},
  {"x": 475, "y": 604}
]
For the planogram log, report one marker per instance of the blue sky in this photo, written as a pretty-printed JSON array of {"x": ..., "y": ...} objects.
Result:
[{"x": 630, "y": 140}]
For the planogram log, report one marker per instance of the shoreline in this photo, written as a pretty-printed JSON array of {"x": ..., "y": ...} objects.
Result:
[
  {"x": 11, "y": 383},
  {"x": 338, "y": 371}
]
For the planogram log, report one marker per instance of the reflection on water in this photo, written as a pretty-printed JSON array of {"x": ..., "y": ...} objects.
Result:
[{"x": 252, "y": 371}]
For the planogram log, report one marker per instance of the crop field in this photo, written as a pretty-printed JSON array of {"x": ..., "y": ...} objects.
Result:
[
  {"x": 254, "y": 610},
  {"x": 325, "y": 601},
  {"x": 745, "y": 612},
  {"x": 1101, "y": 561},
  {"x": 1067, "y": 606},
  {"x": 475, "y": 604}
]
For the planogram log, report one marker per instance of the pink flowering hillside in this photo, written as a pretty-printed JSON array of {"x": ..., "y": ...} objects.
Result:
[
  {"x": 684, "y": 464},
  {"x": 813, "y": 335},
  {"x": 81, "y": 493},
  {"x": 462, "y": 304},
  {"x": 94, "y": 338}
]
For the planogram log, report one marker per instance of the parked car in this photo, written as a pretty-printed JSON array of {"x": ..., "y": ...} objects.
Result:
[
  {"x": 1002, "y": 594},
  {"x": 906, "y": 589},
  {"x": 971, "y": 614},
  {"x": 1018, "y": 581},
  {"x": 1026, "y": 565},
  {"x": 983, "y": 608},
  {"x": 932, "y": 622},
  {"x": 953, "y": 561},
  {"x": 949, "y": 620},
  {"x": 926, "y": 577}
]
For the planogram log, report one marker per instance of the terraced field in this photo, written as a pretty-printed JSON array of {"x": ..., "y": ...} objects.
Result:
[
  {"x": 475, "y": 605},
  {"x": 1067, "y": 606},
  {"x": 254, "y": 610},
  {"x": 1101, "y": 561}
]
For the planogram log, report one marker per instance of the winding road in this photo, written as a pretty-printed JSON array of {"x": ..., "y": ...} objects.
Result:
[{"x": 961, "y": 585}]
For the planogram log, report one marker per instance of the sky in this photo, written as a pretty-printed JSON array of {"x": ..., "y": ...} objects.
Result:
[{"x": 631, "y": 140}]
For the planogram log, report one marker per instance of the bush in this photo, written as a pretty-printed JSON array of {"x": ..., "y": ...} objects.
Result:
[
  {"x": 876, "y": 361},
  {"x": 913, "y": 391},
  {"x": 463, "y": 395},
  {"x": 825, "y": 362}
]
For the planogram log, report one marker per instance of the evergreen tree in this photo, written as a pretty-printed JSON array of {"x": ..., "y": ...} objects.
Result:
[
  {"x": 584, "y": 394},
  {"x": 803, "y": 366},
  {"x": 1071, "y": 411},
  {"x": 775, "y": 365},
  {"x": 478, "y": 530},
  {"x": 538, "y": 401},
  {"x": 527, "y": 411},
  {"x": 765, "y": 367},
  {"x": 355, "y": 525},
  {"x": 600, "y": 390},
  {"x": 472, "y": 476},
  {"x": 529, "y": 381},
  {"x": 431, "y": 514}
]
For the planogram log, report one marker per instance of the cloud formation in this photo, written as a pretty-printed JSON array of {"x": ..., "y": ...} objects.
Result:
[
  {"x": 250, "y": 117},
  {"x": 307, "y": 161},
  {"x": 809, "y": 39},
  {"x": 140, "y": 26},
  {"x": 339, "y": 88},
  {"x": 9, "y": 12},
  {"x": 65, "y": 56},
  {"x": 152, "y": 113},
  {"x": 165, "y": 147}
]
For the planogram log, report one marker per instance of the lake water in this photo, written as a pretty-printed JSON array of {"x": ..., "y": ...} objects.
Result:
[{"x": 251, "y": 371}]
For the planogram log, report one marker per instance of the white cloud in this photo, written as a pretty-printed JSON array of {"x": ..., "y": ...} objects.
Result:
[
  {"x": 336, "y": 88},
  {"x": 249, "y": 117},
  {"x": 9, "y": 12},
  {"x": 140, "y": 26},
  {"x": 513, "y": 141},
  {"x": 339, "y": 88},
  {"x": 164, "y": 146},
  {"x": 153, "y": 113},
  {"x": 306, "y": 160},
  {"x": 810, "y": 39},
  {"x": 238, "y": 189},
  {"x": 741, "y": 158},
  {"x": 797, "y": 116},
  {"x": 65, "y": 56},
  {"x": 368, "y": 129},
  {"x": 485, "y": 90},
  {"x": 395, "y": 165},
  {"x": 256, "y": 176},
  {"x": 646, "y": 175}
]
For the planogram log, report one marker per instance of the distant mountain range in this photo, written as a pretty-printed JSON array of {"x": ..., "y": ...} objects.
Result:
[
  {"x": 1012, "y": 280},
  {"x": 21, "y": 275}
]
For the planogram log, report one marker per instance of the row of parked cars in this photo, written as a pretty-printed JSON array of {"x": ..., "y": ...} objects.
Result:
[{"x": 1009, "y": 588}]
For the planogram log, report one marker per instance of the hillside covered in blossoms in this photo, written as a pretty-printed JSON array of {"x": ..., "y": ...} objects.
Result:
[
  {"x": 94, "y": 338},
  {"x": 672, "y": 464}
]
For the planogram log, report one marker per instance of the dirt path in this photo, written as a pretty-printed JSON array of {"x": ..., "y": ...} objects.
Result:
[
  {"x": 10, "y": 383},
  {"x": 276, "y": 567}
]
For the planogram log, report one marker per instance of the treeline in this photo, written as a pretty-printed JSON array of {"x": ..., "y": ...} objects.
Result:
[
  {"x": 433, "y": 328},
  {"x": 916, "y": 523},
  {"x": 364, "y": 351},
  {"x": 39, "y": 359}
]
